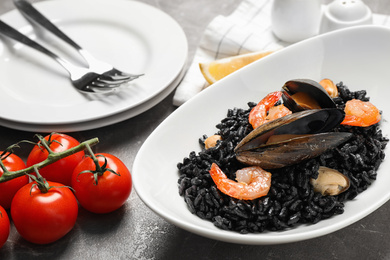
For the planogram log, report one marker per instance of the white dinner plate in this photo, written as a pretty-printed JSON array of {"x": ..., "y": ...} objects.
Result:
[
  {"x": 132, "y": 36},
  {"x": 359, "y": 56},
  {"x": 100, "y": 122}
]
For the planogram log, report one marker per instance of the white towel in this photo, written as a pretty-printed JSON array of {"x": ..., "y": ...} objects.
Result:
[{"x": 247, "y": 29}]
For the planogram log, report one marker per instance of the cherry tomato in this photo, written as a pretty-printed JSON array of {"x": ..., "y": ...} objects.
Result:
[
  {"x": 60, "y": 171},
  {"x": 8, "y": 189},
  {"x": 4, "y": 226},
  {"x": 111, "y": 190},
  {"x": 43, "y": 218}
]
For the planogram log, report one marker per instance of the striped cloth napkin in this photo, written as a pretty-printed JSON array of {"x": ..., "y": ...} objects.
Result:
[{"x": 247, "y": 29}]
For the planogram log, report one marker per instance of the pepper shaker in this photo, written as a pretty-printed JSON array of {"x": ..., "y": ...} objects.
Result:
[{"x": 295, "y": 20}]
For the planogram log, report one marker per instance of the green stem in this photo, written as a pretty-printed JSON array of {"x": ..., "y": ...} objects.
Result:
[
  {"x": 52, "y": 158},
  {"x": 95, "y": 160},
  {"x": 2, "y": 166},
  {"x": 42, "y": 184},
  {"x": 45, "y": 143}
]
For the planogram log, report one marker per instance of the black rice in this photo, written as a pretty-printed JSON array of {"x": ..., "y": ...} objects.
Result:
[{"x": 291, "y": 199}]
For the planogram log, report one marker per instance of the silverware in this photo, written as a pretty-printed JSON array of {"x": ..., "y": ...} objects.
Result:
[{"x": 100, "y": 76}]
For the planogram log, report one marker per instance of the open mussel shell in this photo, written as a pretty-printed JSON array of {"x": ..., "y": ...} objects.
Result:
[
  {"x": 304, "y": 122},
  {"x": 330, "y": 182},
  {"x": 311, "y": 90},
  {"x": 292, "y": 151},
  {"x": 307, "y": 138}
]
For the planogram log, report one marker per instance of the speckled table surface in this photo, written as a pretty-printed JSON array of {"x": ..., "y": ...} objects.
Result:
[{"x": 135, "y": 232}]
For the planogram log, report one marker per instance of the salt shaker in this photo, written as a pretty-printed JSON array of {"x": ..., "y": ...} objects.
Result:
[
  {"x": 295, "y": 20},
  {"x": 345, "y": 13}
]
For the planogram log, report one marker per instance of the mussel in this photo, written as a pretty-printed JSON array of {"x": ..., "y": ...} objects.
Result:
[
  {"x": 302, "y": 94},
  {"x": 330, "y": 182},
  {"x": 292, "y": 138}
]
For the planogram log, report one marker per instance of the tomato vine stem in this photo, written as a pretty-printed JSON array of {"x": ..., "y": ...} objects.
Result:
[
  {"x": 95, "y": 160},
  {"x": 53, "y": 157},
  {"x": 99, "y": 170},
  {"x": 42, "y": 184},
  {"x": 45, "y": 143}
]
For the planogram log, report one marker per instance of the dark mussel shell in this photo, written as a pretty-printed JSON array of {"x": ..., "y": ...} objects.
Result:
[
  {"x": 313, "y": 124},
  {"x": 278, "y": 155},
  {"x": 311, "y": 88}
]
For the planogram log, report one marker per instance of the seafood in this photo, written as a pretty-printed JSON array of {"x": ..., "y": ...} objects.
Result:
[
  {"x": 360, "y": 113},
  {"x": 277, "y": 112},
  {"x": 266, "y": 110},
  {"x": 330, "y": 87},
  {"x": 212, "y": 141},
  {"x": 292, "y": 186},
  {"x": 252, "y": 182},
  {"x": 302, "y": 94},
  {"x": 330, "y": 182},
  {"x": 301, "y": 135},
  {"x": 298, "y": 95}
]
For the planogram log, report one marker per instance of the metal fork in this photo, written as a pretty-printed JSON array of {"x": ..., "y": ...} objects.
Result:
[
  {"x": 100, "y": 77},
  {"x": 34, "y": 15}
]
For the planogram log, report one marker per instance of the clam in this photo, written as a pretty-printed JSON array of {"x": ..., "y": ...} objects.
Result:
[
  {"x": 292, "y": 139},
  {"x": 330, "y": 182},
  {"x": 302, "y": 94}
]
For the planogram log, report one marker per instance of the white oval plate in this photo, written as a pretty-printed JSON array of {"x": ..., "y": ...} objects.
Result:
[
  {"x": 360, "y": 57},
  {"x": 132, "y": 36}
]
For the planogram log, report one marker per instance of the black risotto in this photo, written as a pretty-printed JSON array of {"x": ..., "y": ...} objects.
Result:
[{"x": 291, "y": 199}]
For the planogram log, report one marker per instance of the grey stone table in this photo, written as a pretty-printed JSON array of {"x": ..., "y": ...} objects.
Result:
[{"x": 135, "y": 232}]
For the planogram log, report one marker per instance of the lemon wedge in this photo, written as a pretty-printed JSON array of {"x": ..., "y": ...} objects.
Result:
[{"x": 218, "y": 69}]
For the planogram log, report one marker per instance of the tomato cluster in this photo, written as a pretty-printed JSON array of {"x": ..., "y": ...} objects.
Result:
[{"x": 46, "y": 209}]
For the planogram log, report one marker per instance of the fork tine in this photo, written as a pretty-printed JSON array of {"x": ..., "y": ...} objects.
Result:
[
  {"x": 102, "y": 85},
  {"x": 107, "y": 84},
  {"x": 101, "y": 90},
  {"x": 96, "y": 86},
  {"x": 117, "y": 72},
  {"x": 135, "y": 76},
  {"x": 121, "y": 73},
  {"x": 110, "y": 76},
  {"x": 114, "y": 82}
]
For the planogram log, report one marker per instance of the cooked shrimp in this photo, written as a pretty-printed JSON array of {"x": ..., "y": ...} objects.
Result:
[
  {"x": 266, "y": 110},
  {"x": 252, "y": 182},
  {"x": 360, "y": 113},
  {"x": 276, "y": 112}
]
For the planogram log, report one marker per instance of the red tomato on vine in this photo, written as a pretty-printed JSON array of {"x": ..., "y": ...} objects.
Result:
[
  {"x": 43, "y": 217},
  {"x": 104, "y": 190},
  {"x": 4, "y": 226},
  {"x": 60, "y": 171},
  {"x": 8, "y": 189}
]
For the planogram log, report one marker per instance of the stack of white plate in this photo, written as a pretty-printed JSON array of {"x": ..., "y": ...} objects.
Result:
[{"x": 36, "y": 93}]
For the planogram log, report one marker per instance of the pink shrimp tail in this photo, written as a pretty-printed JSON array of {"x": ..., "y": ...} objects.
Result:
[
  {"x": 259, "y": 185},
  {"x": 258, "y": 114}
]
